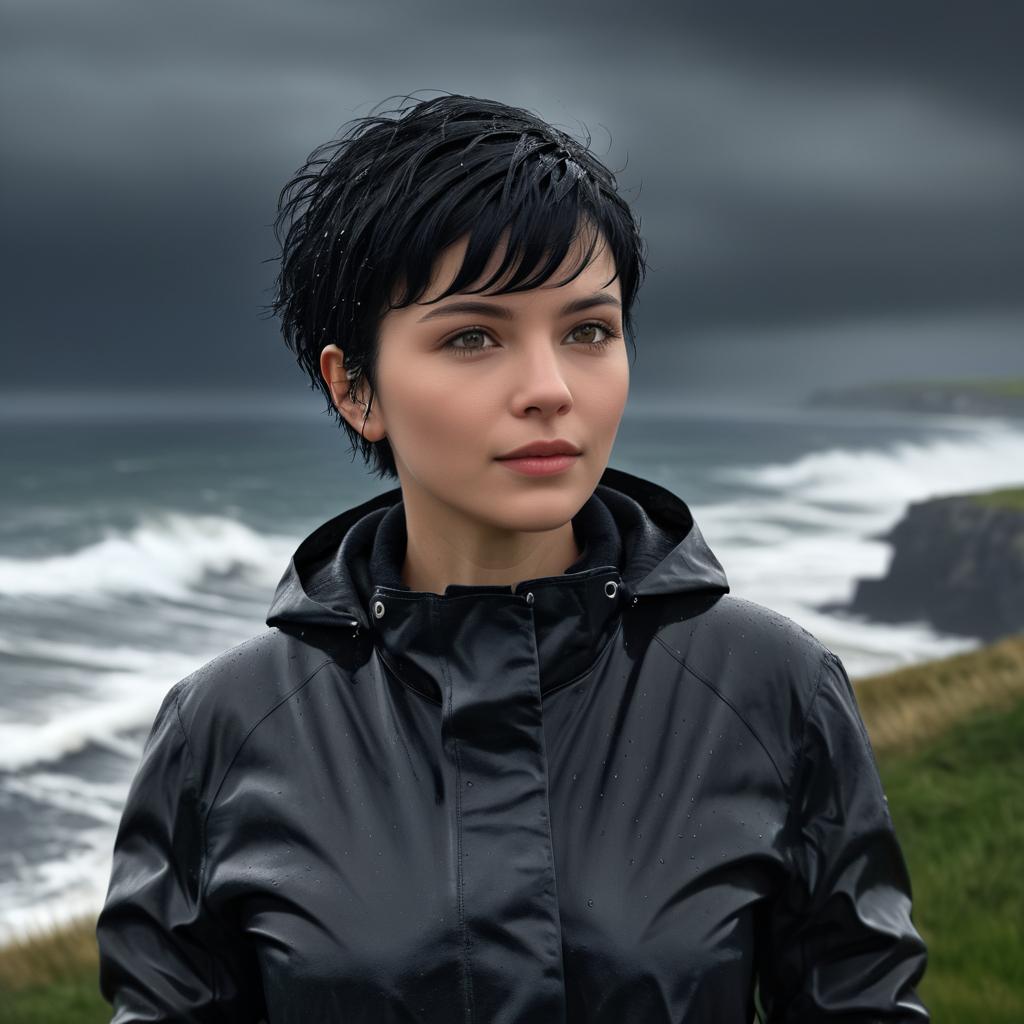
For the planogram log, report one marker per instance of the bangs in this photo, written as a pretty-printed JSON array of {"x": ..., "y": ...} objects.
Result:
[{"x": 542, "y": 204}]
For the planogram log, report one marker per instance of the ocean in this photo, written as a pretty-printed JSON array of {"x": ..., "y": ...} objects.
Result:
[{"x": 140, "y": 539}]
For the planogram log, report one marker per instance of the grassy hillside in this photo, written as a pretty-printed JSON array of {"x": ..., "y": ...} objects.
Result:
[
  {"x": 1009, "y": 387},
  {"x": 948, "y": 740},
  {"x": 1008, "y": 497},
  {"x": 957, "y": 806},
  {"x": 911, "y": 706}
]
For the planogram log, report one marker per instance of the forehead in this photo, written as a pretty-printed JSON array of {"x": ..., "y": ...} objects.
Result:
[{"x": 596, "y": 275}]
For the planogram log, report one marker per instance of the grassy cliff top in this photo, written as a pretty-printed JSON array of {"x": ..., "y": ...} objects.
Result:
[
  {"x": 1007, "y": 497},
  {"x": 909, "y": 706},
  {"x": 1005, "y": 387}
]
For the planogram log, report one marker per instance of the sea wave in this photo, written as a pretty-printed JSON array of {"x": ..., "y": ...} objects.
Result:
[{"x": 166, "y": 554}]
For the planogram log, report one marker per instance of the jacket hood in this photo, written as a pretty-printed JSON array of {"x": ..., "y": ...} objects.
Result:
[{"x": 632, "y": 525}]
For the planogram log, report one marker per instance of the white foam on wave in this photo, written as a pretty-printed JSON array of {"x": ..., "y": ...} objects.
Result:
[
  {"x": 45, "y": 894},
  {"x": 102, "y": 801},
  {"x": 167, "y": 554},
  {"x": 121, "y": 701},
  {"x": 807, "y": 532},
  {"x": 991, "y": 454},
  {"x": 66, "y": 652}
]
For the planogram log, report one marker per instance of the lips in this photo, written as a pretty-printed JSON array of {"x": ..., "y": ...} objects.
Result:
[{"x": 542, "y": 449}]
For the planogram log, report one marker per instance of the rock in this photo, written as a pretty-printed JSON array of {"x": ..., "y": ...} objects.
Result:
[{"x": 958, "y": 562}]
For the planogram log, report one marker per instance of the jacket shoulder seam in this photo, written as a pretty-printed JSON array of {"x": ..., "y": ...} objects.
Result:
[
  {"x": 725, "y": 700},
  {"x": 245, "y": 739}
]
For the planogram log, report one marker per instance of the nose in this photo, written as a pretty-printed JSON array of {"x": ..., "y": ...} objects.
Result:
[{"x": 541, "y": 379}]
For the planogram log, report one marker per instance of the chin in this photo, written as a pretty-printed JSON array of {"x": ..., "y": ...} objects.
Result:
[{"x": 543, "y": 509}]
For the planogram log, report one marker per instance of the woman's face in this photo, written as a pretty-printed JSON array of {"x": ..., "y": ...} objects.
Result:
[{"x": 457, "y": 388}]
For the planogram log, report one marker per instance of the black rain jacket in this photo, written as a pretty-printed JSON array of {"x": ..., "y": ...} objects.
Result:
[{"x": 617, "y": 795}]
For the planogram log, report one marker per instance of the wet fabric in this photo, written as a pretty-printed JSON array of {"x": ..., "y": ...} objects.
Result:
[{"x": 618, "y": 794}]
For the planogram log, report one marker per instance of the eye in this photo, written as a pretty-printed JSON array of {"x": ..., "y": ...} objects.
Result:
[
  {"x": 606, "y": 335},
  {"x": 463, "y": 350}
]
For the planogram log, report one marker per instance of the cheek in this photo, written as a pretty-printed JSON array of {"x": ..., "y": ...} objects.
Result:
[
  {"x": 436, "y": 415},
  {"x": 605, "y": 401}
]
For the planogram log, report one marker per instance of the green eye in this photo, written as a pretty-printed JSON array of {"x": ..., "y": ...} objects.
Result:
[{"x": 609, "y": 334}]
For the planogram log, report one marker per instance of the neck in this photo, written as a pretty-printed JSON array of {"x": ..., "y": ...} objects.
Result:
[{"x": 443, "y": 549}]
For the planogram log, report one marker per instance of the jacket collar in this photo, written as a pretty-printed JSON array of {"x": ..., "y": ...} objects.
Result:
[{"x": 638, "y": 541}]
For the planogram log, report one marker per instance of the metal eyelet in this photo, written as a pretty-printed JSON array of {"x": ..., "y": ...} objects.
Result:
[
  {"x": 378, "y": 609},
  {"x": 611, "y": 588},
  {"x": 529, "y": 597}
]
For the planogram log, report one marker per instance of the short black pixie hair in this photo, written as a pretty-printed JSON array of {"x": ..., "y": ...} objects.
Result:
[{"x": 373, "y": 209}]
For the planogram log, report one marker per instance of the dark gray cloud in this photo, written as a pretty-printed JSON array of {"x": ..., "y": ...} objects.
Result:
[{"x": 810, "y": 174}]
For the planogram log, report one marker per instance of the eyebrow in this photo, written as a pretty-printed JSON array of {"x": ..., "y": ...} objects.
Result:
[{"x": 504, "y": 313}]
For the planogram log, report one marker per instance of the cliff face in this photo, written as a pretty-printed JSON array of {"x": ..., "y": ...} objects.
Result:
[{"x": 958, "y": 563}]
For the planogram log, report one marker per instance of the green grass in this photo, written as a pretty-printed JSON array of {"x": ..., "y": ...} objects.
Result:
[
  {"x": 957, "y": 804},
  {"x": 74, "y": 1000},
  {"x": 1008, "y": 497},
  {"x": 52, "y": 978},
  {"x": 948, "y": 740},
  {"x": 1009, "y": 387}
]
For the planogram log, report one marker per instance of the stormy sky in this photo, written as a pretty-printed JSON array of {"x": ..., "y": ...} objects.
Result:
[{"x": 830, "y": 192}]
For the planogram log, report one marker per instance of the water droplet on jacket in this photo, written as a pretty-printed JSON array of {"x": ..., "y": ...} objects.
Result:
[
  {"x": 469, "y": 782},
  {"x": 590, "y": 903}
]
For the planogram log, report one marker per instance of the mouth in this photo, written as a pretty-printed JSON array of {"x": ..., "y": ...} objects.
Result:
[
  {"x": 540, "y": 465},
  {"x": 540, "y": 449}
]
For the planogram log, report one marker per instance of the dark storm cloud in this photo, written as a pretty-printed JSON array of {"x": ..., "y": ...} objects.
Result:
[
  {"x": 959, "y": 52},
  {"x": 791, "y": 166}
]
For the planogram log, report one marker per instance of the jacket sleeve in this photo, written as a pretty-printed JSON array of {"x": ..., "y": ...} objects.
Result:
[
  {"x": 160, "y": 958},
  {"x": 840, "y": 943}
]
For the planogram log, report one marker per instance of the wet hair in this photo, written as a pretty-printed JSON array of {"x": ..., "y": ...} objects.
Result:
[{"x": 369, "y": 212}]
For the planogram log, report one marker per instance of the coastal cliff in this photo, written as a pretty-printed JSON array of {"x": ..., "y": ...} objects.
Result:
[
  {"x": 958, "y": 562},
  {"x": 992, "y": 397}
]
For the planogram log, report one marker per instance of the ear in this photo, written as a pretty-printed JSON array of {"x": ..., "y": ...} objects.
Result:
[{"x": 332, "y": 368}]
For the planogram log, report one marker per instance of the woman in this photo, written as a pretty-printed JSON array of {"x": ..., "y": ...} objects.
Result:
[{"x": 509, "y": 750}]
